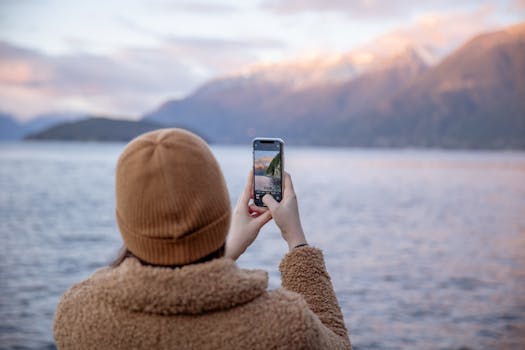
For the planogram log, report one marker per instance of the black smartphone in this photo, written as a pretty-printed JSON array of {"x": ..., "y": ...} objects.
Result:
[{"x": 268, "y": 167}]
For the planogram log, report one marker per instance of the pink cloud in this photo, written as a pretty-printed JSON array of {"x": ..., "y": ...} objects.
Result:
[
  {"x": 518, "y": 4},
  {"x": 130, "y": 81},
  {"x": 438, "y": 33}
]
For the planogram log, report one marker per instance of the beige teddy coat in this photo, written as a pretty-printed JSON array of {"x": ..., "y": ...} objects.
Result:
[{"x": 212, "y": 305}]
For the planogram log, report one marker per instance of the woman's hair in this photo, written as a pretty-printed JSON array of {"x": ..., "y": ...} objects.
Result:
[{"x": 125, "y": 253}]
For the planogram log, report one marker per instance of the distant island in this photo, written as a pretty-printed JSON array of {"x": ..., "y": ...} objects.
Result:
[{"x": 95, "y": 129}]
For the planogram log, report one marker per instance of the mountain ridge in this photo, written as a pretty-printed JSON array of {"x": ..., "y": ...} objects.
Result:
[{"x": 402, "y": 103}]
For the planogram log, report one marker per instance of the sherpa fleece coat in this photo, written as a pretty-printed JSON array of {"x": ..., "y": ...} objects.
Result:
[{"x": 212, "y": 305}]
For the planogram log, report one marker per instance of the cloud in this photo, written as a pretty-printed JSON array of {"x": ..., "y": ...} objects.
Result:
[
  {"x": 197, "y": 7},
  {"x": 436, "y": 33},
  {"x": 126, "y": 82},
  {"x": 129, "y": 81},
  {"x": 359, "y": 8},
  {"x": 518, "y": 5},
  {"x": 350, "y": 6},
  {"x": 220, "y": 55},
  {"x": 135, "y": 79}
]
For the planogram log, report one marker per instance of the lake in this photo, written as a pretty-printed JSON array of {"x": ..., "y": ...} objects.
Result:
[{"x": 426, "y": 248}]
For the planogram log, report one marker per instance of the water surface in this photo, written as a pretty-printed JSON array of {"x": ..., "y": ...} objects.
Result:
[{"x": 426, "y": 249}]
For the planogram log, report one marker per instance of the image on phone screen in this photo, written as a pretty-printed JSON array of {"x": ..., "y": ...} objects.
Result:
[{"x": 267, "y": 170}]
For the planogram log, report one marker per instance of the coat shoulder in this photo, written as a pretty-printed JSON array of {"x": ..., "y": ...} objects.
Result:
[
  {"x": 76, "y": 295},
  {"x": 70, "y": 316}
]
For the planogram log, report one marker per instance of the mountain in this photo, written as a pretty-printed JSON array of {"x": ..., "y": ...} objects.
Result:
[
  {"x": 10, "y": 129},
  {"x": 474, "y": 98},
  {"x": 471, "y": 99},
  {"x": 95, "y": 129}
]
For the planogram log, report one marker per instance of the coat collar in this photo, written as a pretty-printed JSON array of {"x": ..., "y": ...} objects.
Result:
[{"x": 192, "y": 289}]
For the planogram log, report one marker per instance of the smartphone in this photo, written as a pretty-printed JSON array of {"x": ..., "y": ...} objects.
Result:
[{"x": 268, "y": 168}]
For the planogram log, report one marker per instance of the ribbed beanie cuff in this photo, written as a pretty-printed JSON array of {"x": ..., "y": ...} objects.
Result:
[{"x": 179, "y": 251}]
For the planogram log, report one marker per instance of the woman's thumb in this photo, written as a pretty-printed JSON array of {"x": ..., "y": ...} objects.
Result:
[{"x": 270, "y": 202}]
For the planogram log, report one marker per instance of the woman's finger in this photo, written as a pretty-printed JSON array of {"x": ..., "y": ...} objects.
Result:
[
  {"x": 258, "y": 209},
  {"x": 270, "y": 202},
  {"x": 288, "y": 185}
]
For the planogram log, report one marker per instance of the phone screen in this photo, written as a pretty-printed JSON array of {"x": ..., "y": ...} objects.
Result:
[{"x": 267, "y": 169}]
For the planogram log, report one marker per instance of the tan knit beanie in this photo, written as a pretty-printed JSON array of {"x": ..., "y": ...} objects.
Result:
[{"x": 173, "y": 206}]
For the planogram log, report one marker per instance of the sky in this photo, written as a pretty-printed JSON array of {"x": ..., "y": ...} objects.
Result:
[{"x": 125, "y": 58}]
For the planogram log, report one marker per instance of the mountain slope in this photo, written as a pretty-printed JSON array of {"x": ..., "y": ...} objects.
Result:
[
  {"x": 222, "y": 109},
  {"x": 475, "y": 98}
]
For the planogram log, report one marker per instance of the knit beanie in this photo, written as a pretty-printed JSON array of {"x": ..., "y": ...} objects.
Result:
[{"x": 172, "y": 204}]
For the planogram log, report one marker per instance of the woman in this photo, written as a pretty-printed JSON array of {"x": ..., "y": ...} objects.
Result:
[{"x": 176, "y": 285}]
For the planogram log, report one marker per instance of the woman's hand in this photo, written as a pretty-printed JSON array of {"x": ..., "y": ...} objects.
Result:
[
  {"x": 286, "y": 214},
  {"x": 247, "y": 221}
]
